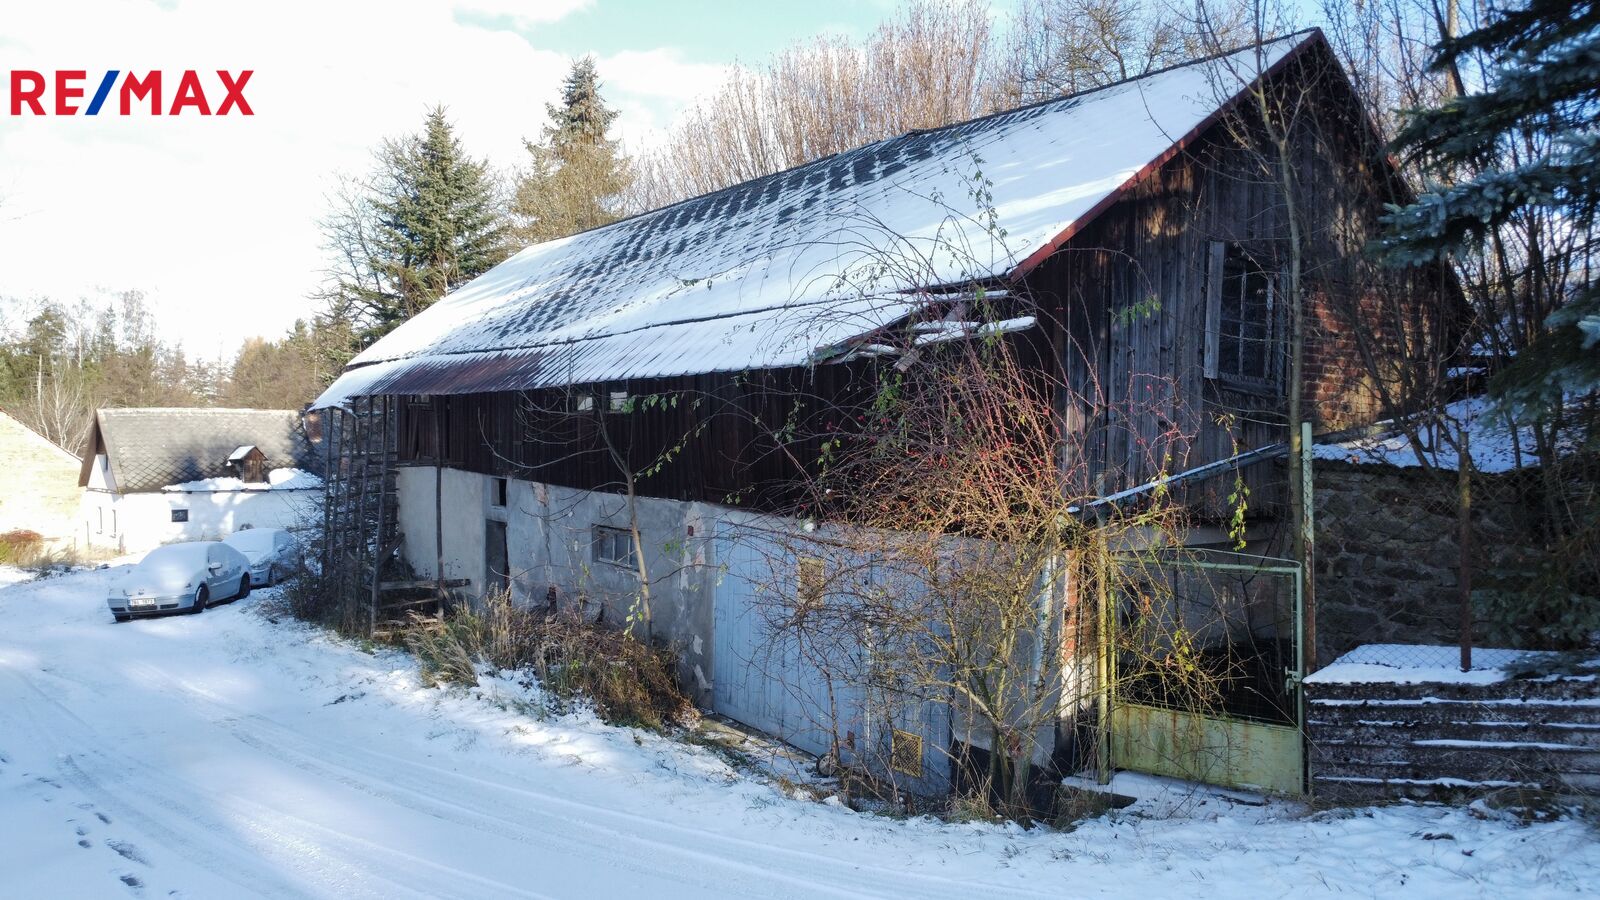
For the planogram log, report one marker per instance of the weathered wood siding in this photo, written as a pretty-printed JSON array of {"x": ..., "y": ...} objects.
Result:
[
  {"x": 1128, "y": 295},
  {"x": 728, "y": 439}
]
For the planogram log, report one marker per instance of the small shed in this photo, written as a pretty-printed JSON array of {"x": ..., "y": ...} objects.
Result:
[{"x": 248, "y": 464}]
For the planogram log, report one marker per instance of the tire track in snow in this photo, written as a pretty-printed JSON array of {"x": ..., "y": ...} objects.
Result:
[
  {"x": 133, "y": 790},
  {"x": 229, "y": 864},
  {"x": 440, "y": 791}
]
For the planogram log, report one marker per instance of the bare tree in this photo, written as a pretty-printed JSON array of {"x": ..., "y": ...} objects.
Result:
[
  {"x": 930, "y": 65},
  {"x": 1056, "y": 47}
]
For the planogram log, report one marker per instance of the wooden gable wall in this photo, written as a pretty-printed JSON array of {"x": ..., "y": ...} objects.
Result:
[{"x": 1128, "y": 296}]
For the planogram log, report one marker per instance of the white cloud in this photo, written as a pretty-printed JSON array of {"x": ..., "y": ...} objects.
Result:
[
  {"x": 523, "y": 13},
  {"x": 215, "y": 218},
  {"x": 653, "y": 87}
]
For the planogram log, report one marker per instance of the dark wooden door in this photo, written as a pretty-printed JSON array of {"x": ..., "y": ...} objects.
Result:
[{"x": 497, "y": 571}]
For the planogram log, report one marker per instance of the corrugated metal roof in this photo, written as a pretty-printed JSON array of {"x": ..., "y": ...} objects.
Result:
[{"x": 734, "y": 280}]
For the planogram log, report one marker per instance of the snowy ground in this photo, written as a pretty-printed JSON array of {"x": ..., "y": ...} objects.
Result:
[{"x": 225, "y": 755}]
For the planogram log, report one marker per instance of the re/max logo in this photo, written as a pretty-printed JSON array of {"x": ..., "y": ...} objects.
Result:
[{"x": 63, "y": 92}]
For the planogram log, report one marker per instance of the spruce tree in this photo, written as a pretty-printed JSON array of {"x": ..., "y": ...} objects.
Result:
[
  {"x": 577, "y": 175},
  {"x": 1542, "y": 92},
  {"x": 1516, "y": 163},
  {"x": 427, "y": 221}
]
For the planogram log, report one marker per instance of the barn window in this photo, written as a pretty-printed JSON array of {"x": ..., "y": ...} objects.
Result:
[
  {"x": 180, "y": 515},
  {"x": 614, "y": 546},
  {"x": 498, "y": 496},
  {"x": 1241, "y": 318},
  {"x": 620, "y": 402}
]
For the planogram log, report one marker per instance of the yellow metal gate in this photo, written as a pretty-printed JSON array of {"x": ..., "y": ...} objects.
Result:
[{"x": 1204, "y": 653}]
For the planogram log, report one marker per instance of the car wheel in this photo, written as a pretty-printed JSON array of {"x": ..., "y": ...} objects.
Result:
[
  {"x": 121, "y": 617},
  {"x": 244, "y": 587},
  {"x": 200, "y": 598}
]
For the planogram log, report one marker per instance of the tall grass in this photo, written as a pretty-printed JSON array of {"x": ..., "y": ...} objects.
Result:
[{"x": 627, "y": 681}]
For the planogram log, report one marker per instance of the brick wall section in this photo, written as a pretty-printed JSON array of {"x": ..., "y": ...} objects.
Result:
[
  {"x": 1339, "y": 391},
  {"x": 1388, "y": 556},
  {"x": 1440, "y": 741},
  {"x": 38, "y": 483}
]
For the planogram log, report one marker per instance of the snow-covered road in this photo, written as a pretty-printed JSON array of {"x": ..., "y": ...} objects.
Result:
[{"x": 227, "y": 755}]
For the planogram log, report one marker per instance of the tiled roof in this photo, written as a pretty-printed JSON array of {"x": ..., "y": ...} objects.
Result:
[{"x": 151, "y": 448}]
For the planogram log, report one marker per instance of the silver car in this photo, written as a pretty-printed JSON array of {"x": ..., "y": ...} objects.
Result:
[
  {"x": 180, "y": 577},
  {"x": 272, "y": 552}
]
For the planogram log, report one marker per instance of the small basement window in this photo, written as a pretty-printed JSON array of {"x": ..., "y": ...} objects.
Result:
[
  {"x": 1241, "y": 318},
  {"x": 614, "y": 546},
  {"x": 180, "y": 515},
  {"x": 497, "y": 496}
]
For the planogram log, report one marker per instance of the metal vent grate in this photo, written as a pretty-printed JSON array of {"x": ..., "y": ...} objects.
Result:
[{"x": 905, "y": 753}]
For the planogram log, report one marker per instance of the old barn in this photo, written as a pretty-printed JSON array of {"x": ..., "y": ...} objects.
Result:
[{"x": 1136, "y": 238}]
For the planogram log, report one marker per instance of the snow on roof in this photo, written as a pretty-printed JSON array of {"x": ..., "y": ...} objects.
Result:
[
  {"x": 1416, "y": 664},
  {"x": 763, "y": 273},
  {"x": 1495, "y": 448},
  {"x": 240, "y": 452},
  {"x": 277, "y": 480}
]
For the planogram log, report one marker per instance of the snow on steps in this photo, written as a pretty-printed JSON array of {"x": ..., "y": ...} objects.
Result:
[{"x": 1396, "y": 735}]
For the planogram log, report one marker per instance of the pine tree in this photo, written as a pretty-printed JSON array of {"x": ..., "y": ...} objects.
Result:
[
  {"x": 577, "y": 175},
  {"x": 1517, "y": 165},
  {"x": 427, "y": 221},
  {"x": 1527, "y": 145}
]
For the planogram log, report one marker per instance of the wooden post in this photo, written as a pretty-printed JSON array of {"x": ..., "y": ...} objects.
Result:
[
  {"x": 1104, "y": 670},
  {"x": 1308, "y": 545},
  {"x": 438, "y": 500},
  {"x": 1464, "y": 577},
  {"x": 379, "y": 539}
]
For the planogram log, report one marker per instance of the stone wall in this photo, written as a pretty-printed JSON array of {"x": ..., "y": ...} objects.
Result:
[
  {"x": 1433, "y": 741},
  {"x": 1387, "y": 553}
]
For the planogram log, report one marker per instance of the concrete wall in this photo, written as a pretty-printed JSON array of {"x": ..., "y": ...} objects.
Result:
[
  {"x": 550, "y": 544},
  {"x": 38, "y": 484},
  {"x": 132, "y": 523}
]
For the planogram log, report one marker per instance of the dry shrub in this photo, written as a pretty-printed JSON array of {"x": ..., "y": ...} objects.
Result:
[
  {"x": 627, "y": 681},
  {"x": 27, "y": 549},
  {"x": 20, "y": 547}
]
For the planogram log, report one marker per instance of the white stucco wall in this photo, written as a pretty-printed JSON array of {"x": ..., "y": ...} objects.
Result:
[
  {"x": 131, "y": 523},
  {"x": 549, "y": 543}
]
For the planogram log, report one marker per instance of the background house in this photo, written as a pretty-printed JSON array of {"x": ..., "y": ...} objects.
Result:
[
  {"x": 38, "y": 484},
  {"x": 154, "y": 476}
]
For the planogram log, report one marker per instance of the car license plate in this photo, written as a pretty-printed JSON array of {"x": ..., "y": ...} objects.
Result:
[{"x": 143, "y": 601}]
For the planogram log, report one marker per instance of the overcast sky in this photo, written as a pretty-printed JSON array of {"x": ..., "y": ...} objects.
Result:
[{"x": 215, "y": 218}]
